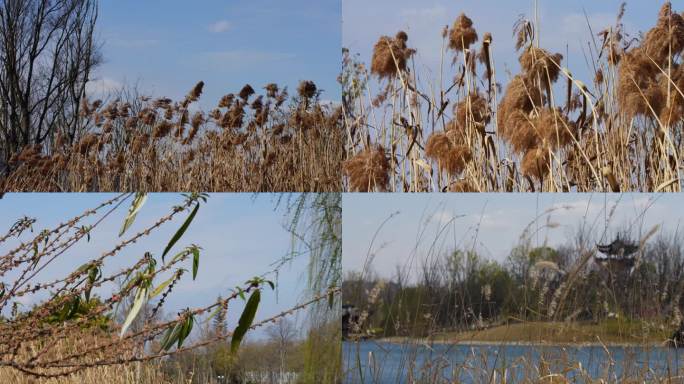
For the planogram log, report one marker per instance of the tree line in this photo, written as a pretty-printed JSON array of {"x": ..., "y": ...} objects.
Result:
[{"x": 463, "y": 290}]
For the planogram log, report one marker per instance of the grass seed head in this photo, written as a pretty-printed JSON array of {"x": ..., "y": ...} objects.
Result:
[
  {"x": 246, "y": 92},
  {"x": 537, "y": 63},
  {"x": 449, "y": 149},
  {"x": 473, "y": 109},
  {"x": 390, "y": 55},
  {"x": 307, "y": 89},
  {"x": 368, "y": 170},
  {"x": 162, "y": 129},
  {"x": 271, "y": 90},
  {"x": 462, "y": 34},
  {"x": 535, "y": 163}
]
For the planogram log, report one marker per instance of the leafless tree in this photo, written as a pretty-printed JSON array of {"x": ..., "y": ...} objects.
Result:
[
  {"x": 47, "y": 55},
  {"x": 283, "y": 334}
]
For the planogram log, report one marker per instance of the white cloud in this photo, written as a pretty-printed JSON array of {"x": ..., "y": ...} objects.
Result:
[
  {"x": 220, "y": 26},
  {"x": 102, "y": 86}
]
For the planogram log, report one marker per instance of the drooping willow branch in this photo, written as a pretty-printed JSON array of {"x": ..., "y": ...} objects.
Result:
[{"x": 78, "y": 308}]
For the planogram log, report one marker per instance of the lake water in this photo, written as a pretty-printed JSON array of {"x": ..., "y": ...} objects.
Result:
[{"x": 384, "y": 363}]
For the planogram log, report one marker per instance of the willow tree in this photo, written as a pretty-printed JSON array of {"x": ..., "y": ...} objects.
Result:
[{"x": 315, "y": 223}]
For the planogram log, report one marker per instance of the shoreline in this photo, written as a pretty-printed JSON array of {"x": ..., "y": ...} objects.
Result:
[{"x": 427, "y": 341}]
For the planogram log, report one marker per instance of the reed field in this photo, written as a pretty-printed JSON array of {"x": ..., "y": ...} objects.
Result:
[
  {"x": 249, "y": 142},
  {"x": 545, "y": 314},
  {"x": 466, "y": 128},
  {"x": 105, "y": 320}
]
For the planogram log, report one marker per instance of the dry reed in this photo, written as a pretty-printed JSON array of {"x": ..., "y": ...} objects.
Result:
[
  {"x": 548, "y": 130},
  {"x": 248, "y": 143}
]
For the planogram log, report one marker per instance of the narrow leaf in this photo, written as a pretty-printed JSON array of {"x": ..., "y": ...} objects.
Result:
[
  {"x": 140, "y": 298},
  {"x": 161, "y": 287},
  {"x": 195, "y": 262},
  {"x": 246, "y": 320},
  {"x": 331, "y": 300},
  {"x": 84, "y": 267},
  {"x": 178, "y": 256},
  {"x": 137, "y": 204},
  {"x": 180, "y": 231},
  {"x": 170, "y": 337},
  {"x": 185, "y": 330}
]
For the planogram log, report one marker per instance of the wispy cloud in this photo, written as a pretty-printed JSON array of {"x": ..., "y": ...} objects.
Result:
[
  {"x": 102, "y": 86},
  {"x": 220, "y": 26}
]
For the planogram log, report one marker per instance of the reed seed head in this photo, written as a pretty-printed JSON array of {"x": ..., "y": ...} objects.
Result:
[
  {"x": 390, "y": 55},
  {"x": 449, "y": 150},
  {"x": 462, "y": 34},
  {"x": 368, "y": 170}
]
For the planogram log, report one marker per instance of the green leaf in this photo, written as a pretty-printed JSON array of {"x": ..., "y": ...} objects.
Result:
[
  {"x": 178, "y": 256},
  {"x": 331, "y": 299},
  {"x": 185, "y": 330},
  {"x": 73, "y": 308},
  {"x": 130, "y": 283},
  {"x": 94, "y": 274},
  {"x": 241, "y": 293},
  {"x": 140, "y": 298},
  {"x": 151, "y": 263},
  {"x": 137, "y": 204},
  {"x": 246, "y": 320},
  {"x": 84, "y": 267},
  {"x": 170, "y": 337},
  {"x": 195, "y": 262},
  {"x": 161, "y": 287},
  {"x": 270, "y": 283},
  {"x": 180, "y": 231}
]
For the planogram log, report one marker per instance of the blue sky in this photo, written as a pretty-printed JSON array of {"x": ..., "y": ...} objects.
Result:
[
  {"x": 563, "y": 26},
  {"x": 168, "y": 46},
  {"x": 241, "y": 234},
  {"x": 416, "y": 221}
]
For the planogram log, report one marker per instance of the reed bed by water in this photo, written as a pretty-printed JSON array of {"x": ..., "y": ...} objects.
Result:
[{"x": 545, "y": 314}]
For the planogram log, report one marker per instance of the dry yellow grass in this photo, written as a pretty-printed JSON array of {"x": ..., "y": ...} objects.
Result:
[
  {"x": 123, "y": 374},
  {"x": 144, "y": 373}
]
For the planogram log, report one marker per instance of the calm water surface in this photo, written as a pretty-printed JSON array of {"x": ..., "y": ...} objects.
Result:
[{"x": 381, "y": 363}]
